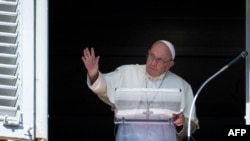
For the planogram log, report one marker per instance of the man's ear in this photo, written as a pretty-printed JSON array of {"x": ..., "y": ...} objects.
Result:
[{"x": 171, "y": 64}]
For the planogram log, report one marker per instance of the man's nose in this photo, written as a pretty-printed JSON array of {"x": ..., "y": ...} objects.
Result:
[{"x": 154, "y": 62}]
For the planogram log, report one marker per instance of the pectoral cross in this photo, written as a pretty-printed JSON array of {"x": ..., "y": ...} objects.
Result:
[{"x": 148, "y": 112}]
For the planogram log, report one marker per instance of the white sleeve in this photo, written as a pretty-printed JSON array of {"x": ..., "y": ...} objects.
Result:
[
  {"x": 99, "y": 86},
  {"x": 188, "y": 102}
]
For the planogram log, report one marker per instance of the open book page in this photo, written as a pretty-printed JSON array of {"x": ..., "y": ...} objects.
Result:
[{"x": 147, "y": 103}]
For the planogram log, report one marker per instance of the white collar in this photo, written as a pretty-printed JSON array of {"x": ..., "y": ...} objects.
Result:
[{"x": 155, "y": 78}]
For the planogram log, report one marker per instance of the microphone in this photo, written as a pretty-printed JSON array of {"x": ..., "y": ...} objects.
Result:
[{"x": 242, "y": 55}]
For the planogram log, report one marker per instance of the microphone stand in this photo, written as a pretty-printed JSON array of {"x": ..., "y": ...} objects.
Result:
[{"x": 242, "y": 55}]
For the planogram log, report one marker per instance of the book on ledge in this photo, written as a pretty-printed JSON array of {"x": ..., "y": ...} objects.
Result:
[{"x": 150, "y": 105}]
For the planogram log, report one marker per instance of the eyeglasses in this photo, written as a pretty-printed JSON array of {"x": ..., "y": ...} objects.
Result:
[{"x": 151, "y": 57}]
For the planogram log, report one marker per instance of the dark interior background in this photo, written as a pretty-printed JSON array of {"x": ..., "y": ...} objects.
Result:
[{"x": 207, "y": 35}]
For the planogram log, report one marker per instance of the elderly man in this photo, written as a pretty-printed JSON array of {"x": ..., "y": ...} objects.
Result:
[{"x": 154, "y": 74}]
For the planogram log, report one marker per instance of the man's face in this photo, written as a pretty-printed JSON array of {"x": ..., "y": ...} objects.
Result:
[{"x": 158, "y": 60}]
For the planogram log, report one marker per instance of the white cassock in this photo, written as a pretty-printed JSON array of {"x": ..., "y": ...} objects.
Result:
[{"x": 134, "y": 76}]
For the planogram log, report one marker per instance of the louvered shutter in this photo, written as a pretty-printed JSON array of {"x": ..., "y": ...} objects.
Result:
[{"x": 16, "y": 70}]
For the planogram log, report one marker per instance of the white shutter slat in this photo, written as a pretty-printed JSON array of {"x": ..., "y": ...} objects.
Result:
[
  {"x": 8, "y": 111},
  {"x": 8, "y": 81},
  {"x": 8, "y": 5},
  {"x": 8, "y": 101},
  {"x": 8, "y": 27},
  {"x": 8, "y": 48},
  {"x": 6, "y": 69},
  {"x": 8, "y": 90},
  {"x": 8, "y": 17},
  {"x": 8, "y": 58},
  {"x": 8, "y": 37}
]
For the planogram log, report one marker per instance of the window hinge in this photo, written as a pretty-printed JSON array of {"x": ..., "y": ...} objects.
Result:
[{"x": 13, "y": 121}]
